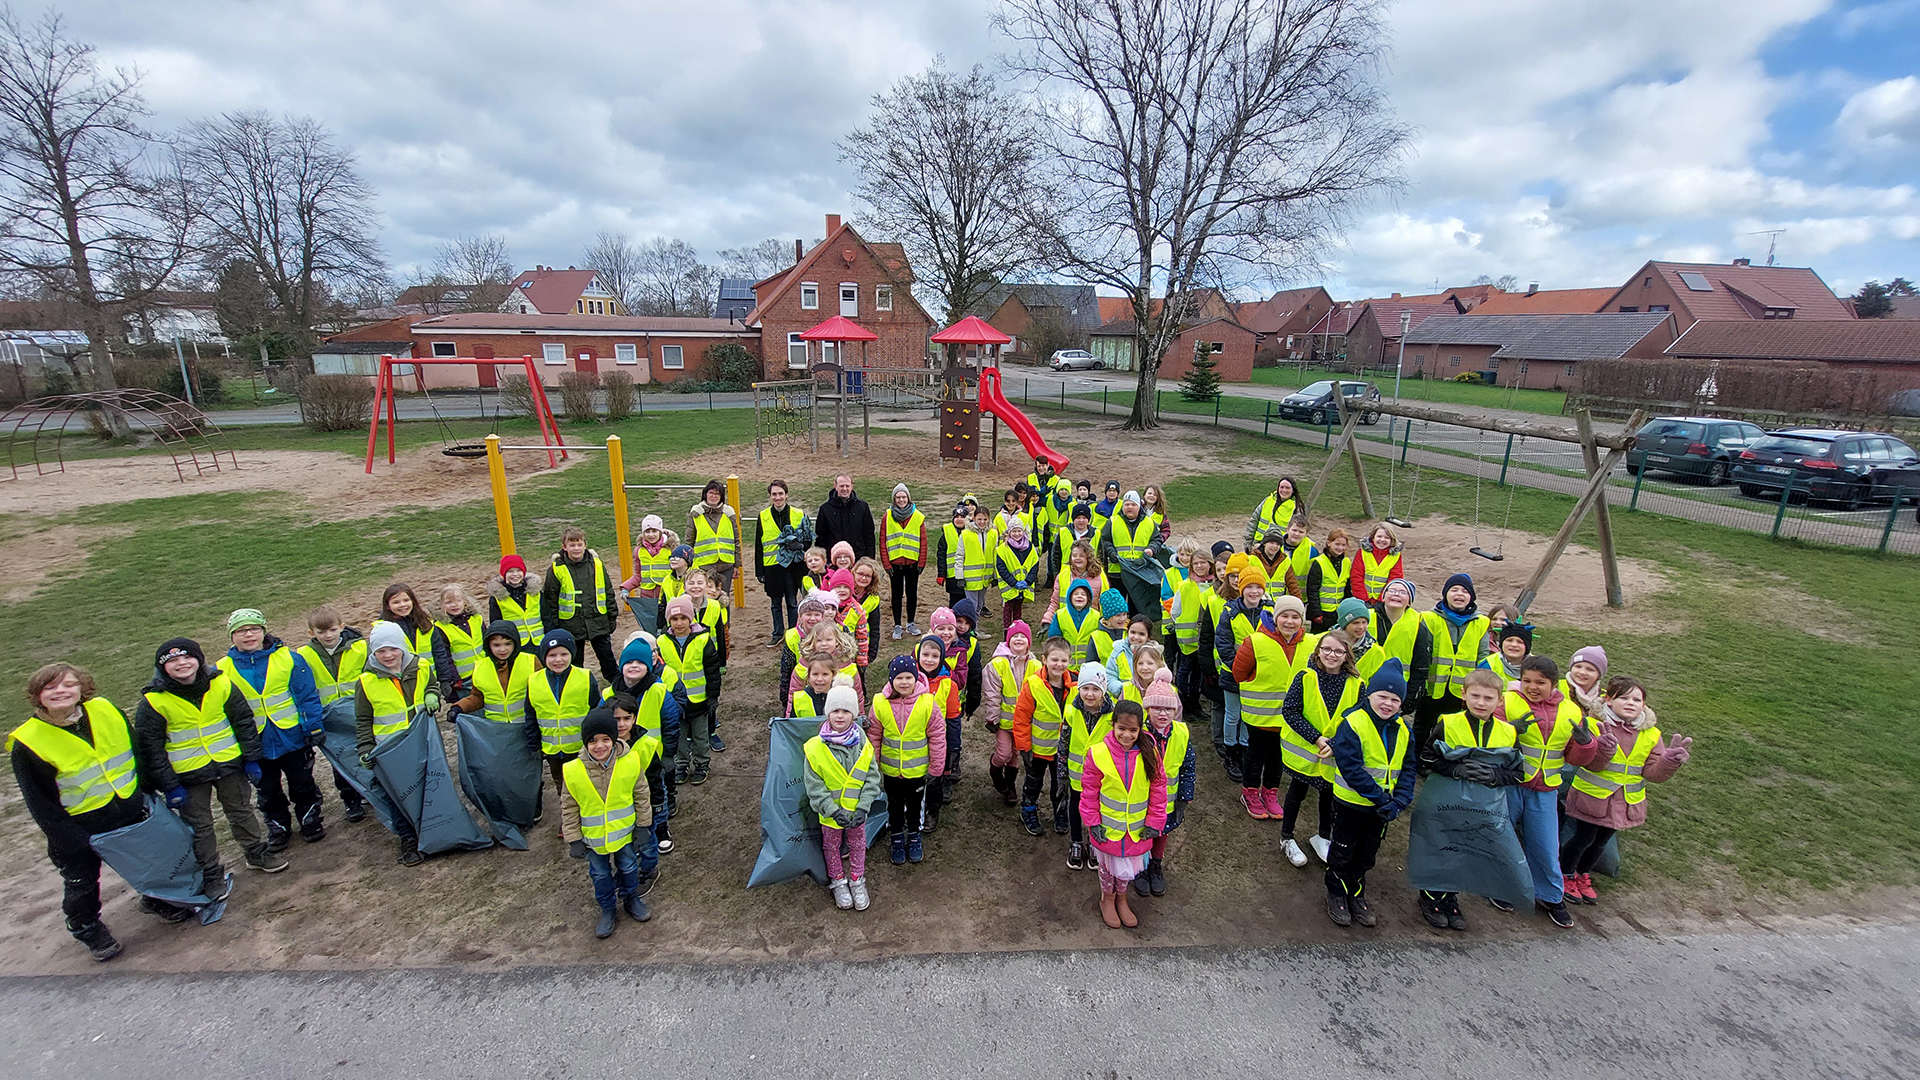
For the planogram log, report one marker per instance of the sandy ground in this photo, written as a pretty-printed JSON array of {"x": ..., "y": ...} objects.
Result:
[{"x": 985, "y": 886}]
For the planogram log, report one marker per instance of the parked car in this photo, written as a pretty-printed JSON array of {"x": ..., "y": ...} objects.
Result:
[
  {"x": 1701, "y": 446},
  {"x": 1074, "y": 360},
  {"x": 1852, "y": 468},
  {"x": 1314, "y": 403}
]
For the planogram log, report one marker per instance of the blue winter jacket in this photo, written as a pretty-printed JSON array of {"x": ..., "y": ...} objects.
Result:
[
  {"x": 1350, "y": 759},
  {"x": 276, "y": 741}
]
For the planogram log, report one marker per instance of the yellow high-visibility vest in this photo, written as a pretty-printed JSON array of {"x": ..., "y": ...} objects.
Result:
[
  {"x": 903, "y": 743},
  {"x": 88, "y": 774},
  {"x": 274, "y": 699},
  {"x": 844, "y": 784},
  {"x": 197, "y": 736},
  {"x": 1385, "y": 768},
  {"x": 606, "y": 822}
]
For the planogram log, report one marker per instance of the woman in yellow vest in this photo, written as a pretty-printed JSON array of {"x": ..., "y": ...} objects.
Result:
[
  {"x": 396, "y": 685},
  {"x": 1371, "y": 767},
  {"x": 1274, "y": 512},
  {"x": 842, "y": 780},
  {"x": 73, "y": 760},
  {"x": 1017, "y": 567},
  {"x": 715, "y": 535},
  {"x": 1321, "y": 694},
  {"x": 603, "y": 802},
  {"x": 903, "y": 543},
  {"x": 1123, "y": 805},
  {"x": 195, "y": 737},
  {"x": 911, "y": 744},
  {"x": 1609, "y": 793}
]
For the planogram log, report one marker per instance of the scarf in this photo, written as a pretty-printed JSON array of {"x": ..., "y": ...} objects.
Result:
[
  {"x": 846, "y": 741},
  {"x": 1022, "y": 544},
  {"x": 1611, "y": 717},
  {"x": 900, "y": 516},
  {"x": 1457, "y": 618}
]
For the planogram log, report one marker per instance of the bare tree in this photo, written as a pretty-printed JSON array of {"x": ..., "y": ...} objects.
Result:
[
  {"x": 672, "y": 280},
  {"x": 1197, "y": 141},
  {"x": 1505, "y": 282},
  {"x": 949, "y": 163},
  {"x": 617, "y": 260},
  {"x": 479, "y": 267},
  {"x": 759, "y": 262},
  {"x": 277, "y": 193},
  {"x": 83, "y": 203}
]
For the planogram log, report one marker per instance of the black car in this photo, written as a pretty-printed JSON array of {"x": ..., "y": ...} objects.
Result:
[
  {"x": 1699, "y": 446},
  {"x": 1314, "y": 402},
  {"x": 1852, "y": 468}
]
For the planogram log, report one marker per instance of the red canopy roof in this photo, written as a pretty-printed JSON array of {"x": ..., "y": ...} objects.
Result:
[
  {"x": 839, "y": 328},
  {"x": 971, "y": 330}
]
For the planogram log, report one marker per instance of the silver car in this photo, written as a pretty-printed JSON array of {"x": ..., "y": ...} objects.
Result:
[{"x": 1074, "y": 360}]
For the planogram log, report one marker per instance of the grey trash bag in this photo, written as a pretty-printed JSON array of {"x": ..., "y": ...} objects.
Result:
[
  {"x": 155, "y": 857},
  {"x": 1461, "y": 838},
  {"x": 500, "y": 775},
  {"x": 339, "y": 742},
  {"x": 412, "y": 769},
  {"x": 1139, "y": 581},
  {"x": 789, "y": 831}
]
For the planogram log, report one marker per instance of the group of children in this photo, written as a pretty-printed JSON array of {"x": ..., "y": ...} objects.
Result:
[{"x": 1304, "y": 662}]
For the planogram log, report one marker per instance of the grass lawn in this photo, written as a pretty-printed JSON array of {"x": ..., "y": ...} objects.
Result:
[
  {"x": 1546, "y": 402},
  {"x": 1791, "y": 666}
]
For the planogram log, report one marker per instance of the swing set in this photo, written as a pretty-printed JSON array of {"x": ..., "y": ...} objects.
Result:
[{"x": 1592, "y": 499}]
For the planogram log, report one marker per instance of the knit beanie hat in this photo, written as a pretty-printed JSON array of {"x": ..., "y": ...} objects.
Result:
[
  {"x": 1520, "y": 630},
  {"x": 811, "y": 603},
  {"x": 838, "y": 548},
  {"x": 651, "y": 521},
  {"x": 828, "y": 602},
  {"x": 942, "y": 617},
  {"x": 900, "y": 665},
  {"x": 1350, "y": 609},
  {"x": 1112, "y": 602},
  {"x": 901, "y": 489},
  {"x": 1019, "y": 626},
  {"x": 1284, "y": 602},
  {"x": 1093, "y": 671},
  {"x": 961, "y": 510},
  {"x": 1130, "y": 497},
  {"x": 1464, "y": 581},
  {"x": 683, "y": 553},
  {"x": 1401, "y": 583},
  {"x": 1274, "y": 534},
  {"x": 1082, "y": 512},
  {"x": 1391, "y": 678},
  {"x": 177, "y": 647},
  {"x": 599, "y": 721},
  {"x": 1161, "y": 694},
  {"x": 1238, "y": 563},
  {"x": 638, "y": 649},
  {"x": 246, "y": 617},
  {"x": 1592, "y": 654},
  {"x": 1221, "y": 547},
  {"x": 841, "y": 696},
  {"x": 554, "y": 639},
  {"x": 512, "y": 562},
  {"x": 839, "y": 578},
  {"x": 965, "y": 608},
  {"x": 1252, "y": 575},
  {"x": 680, "y": 605}
]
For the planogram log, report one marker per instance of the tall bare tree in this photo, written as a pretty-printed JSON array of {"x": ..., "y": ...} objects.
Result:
[
  {"x": 85, "y": 200},
  {"x": 672, "y": 280},
  {"x": 1200, "y": 140},
  {"x": 480, "y": 266},
  {"x": 949, "y": 163},
  {"x": 617, "y": 259},
  {"x": 758, "y": 262},
  {"x": 276, "y": 192}
]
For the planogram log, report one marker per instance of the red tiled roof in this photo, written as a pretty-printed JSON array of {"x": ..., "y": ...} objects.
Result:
[
  {"x": 1121, "y": 307},
  {"x": 1269, "y": 315},
  {"x": 552, "y": 292},
  {"x": 1546, "y": 302},
  {"x": 891, "y": 257},
  {"x": 1797, "y": 287},
  {"x": 569, "y": 323},
  {"x": 1386, "y": 314},
  {"x": 1866, "y": 340}
]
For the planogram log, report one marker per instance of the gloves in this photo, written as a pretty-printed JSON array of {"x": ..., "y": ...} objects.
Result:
[
  {"x": 366, "y": 759},
  {"x": 577, "y": 849},
  {"x": 430, "y": 701},
  {"x": 1099, "y": 832},
  {"x": 991, "y": 723},
  {"x": 1148, "y": 832},
  {"x": 253, "y": 773},
  {"x": 176, "y": 797},
  {"x": 1508, "y": 776},
  {"x": 1389, "y": 813},
  {"x": 1474, "y": 772},
  {"x": 843, "y": 818},
  {"x": 451, "y": 710}
]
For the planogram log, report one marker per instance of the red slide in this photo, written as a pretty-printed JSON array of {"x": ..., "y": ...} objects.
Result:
[{"x": 994, "y": 402}]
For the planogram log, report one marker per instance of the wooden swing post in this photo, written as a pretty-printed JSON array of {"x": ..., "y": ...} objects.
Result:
[
  {"x": 1596, "y": 491},
  {"x": 1349, "y": 423},
  {"x": 1602, "y": 520}
]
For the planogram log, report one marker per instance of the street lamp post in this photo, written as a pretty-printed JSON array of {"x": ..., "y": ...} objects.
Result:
[{"x": 1406, "y": 318}]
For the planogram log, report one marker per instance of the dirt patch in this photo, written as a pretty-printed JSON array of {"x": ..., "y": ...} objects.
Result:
[{"x": 40, "y": 554}]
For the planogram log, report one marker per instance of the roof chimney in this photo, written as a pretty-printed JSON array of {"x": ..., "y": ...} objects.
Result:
[
  {"x": 1395, "y": 296},
  {"x": 1532, "y": 287},
  {"x": 1743, "y": 262},
  {"x": 799, "y": 249},
  {"x": 833, "y": 224}
]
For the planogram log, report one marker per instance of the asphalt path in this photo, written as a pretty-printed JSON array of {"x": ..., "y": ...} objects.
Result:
[{"x": 1817, "y": 1003}]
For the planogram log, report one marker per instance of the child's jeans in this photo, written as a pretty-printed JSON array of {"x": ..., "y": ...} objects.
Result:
[
  {"x": 1536, "y": 816},
  {"x": 696, "y": 748},
  {"x": 854, "y": 839},
  {"x": 1231, "y": 730},
  {"x": 614, "y": 876},
  {"x": 649, "y": 843}
]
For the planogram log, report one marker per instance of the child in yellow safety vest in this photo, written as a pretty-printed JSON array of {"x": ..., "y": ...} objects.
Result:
[
  {"x": 653, "y": 763},
  {"x": 1513, "y": 642},
  {"x": 1479, "y": 725},
  {"x": 1609, "y": 793},
  {"x": 910, "y": 746},
  {"x": 578, "y": 596},
  {"x": 1038, "y": 723},
  {"x": 1173, "y": 745},
  {"x": 603, "y": 804},
  {"x": 514, "y": 595},
  {"x": 1320, "y": 695},
  {"x": 652, "y": 553},
  {"x": 809, "y": 699},
  {"x": 867, "y": 576},
  {"x": 712, "y": 613},
  {"x": 1085, "y": 721},
  {"x": 1123, "y": 806},
  {"x": 842, "y": 779},
  {"x": 1552, "y": 733},
  {"x": 456, "y": 640},
  {"x": 816, "y": 574},
  {"x": 1110, "y": 638},
  {"x": 1372, "y": 772},
  {"x": 850, "y": 614},
  {"x": 933, "y": 663},
  {"x": 1001, "y": 682},
  {"x": 337, "y": 654},
  {"x": 396, "y": 686},
  {"x": 688, "y": 649}
]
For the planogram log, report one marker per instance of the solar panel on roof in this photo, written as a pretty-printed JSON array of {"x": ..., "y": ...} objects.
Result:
[{"x": 1696, "y": 281}]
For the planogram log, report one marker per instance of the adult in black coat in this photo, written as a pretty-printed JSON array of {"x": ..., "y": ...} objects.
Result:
[{"x": 845, "y": 516}]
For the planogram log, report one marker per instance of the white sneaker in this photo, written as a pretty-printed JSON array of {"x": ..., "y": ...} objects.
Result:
[
  {"x": 913, "y": 628},
  {"x": 1292, "y": 851},
  {"x": 842, "y": 896},
  {"x": 1321, "y": 845},
  {"x": 666, "y": 845},
  {"x": 860, "y": 899},
  {"x": 896, "y": 631}
]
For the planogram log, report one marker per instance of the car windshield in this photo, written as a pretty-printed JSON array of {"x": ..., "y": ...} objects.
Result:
[
  {"x": 1787, "y": 444},
  {"x": 1316, "y": 389},
  {"x": 1671, "y": 429}
]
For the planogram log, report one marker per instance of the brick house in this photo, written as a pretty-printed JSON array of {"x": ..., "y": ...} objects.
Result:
[
  {"x": 1542, "y": 352},
  {"x": 1015, "y": 310},
  {"x": 869, "y": 283},
  {"x": 1539, "y": 301},
  {"x": 651, "y": 349},
  {"x": 1231, "y": 344},
  {"x": 1740, "y": 290},
  {"x": 1886, "y": 351},
  {"x": 1282, "y": 318},
  {"x": 546, "y": 291},
  {"x": 1373, "y": 338}
]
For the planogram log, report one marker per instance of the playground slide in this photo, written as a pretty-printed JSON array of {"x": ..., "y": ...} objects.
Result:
[{"x": 994, "y": 402}]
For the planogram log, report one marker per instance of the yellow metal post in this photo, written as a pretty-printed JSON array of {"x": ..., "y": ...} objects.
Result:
[
  {"x": 622, "y": 535},
  {"x": 502, "y": 512},
  {"x": 739, "y": 530}
]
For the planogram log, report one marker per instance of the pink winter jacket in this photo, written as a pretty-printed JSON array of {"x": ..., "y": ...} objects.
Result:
[
  {"x": 902, "y": 708},
  {"x": 1090, "y": 779},
  {"x": 1614, "y": 812}
]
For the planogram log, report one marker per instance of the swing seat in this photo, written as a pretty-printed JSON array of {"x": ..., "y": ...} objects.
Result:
[
  {"x": 465, "y": 450},
  {"x": 1398, "y": 523},
  {"x": 1490, "y": 556}
]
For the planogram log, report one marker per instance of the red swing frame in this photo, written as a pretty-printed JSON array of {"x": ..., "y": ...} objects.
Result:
[{"x": 385, "y": 407}]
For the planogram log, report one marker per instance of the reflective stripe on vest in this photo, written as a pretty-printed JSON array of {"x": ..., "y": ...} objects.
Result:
[
  {"x": 336, "y": 685},
  {"x": 712, "y": 544},
  {"x": 651, "y": 702},
  {"x": 606, "y": 822},
  {"x": 1262, "y": 695},
  {"x": 843, "y": 784},
  {"x": 1123, "y": 803},
  {"x": 903, "y": 745},
  {"x": 903, "y": 541},
  {"x": 393, "y": 708},
  {"x": 1457, "y": 730},
  {"x": 560, "y": 717},
  {"x": 464, "y": 642},
  {"x": 274, "y": 699},
  {"x": 652, "y": 566},
  {"x": 1044, "y": 725},
  {"x": 1622, "y": 774},
  {"x": 1384, "y": 768},
  {"x": 977, "y": 550},
  {"x": 197, "y": 736},
  {"x": 1242, "y": 626},
  {"x": 1274, "y": 515},
  {"x": 1130, "y": 541},
  {"x": 1020, "y": 569},
  {"x": 1001, "y": 669},
  {"x": 524, "y": 617},
  {"x": 1298, "y": 754},
  {"x": 569, "y": 601},
  {"x": 1545, "y": 756},
  {"x": 689, "y": 662},
  {"x": 1374, "y": 571},
  {"x": 1192, "y": 611},
  {"x": 1080, "y": 739},
  {"x": 1451, "y": 660},
  {"x": 1334, "y": 581},
  {"x": 89, "y": 774},
  {"x": 769, "y": 532},
  {"x": 507, "y": 703}
]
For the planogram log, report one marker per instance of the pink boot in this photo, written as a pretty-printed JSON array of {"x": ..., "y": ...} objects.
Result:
[
  {"x": 1272, "y": 798},
  {"x": 1256, "y": 805}
]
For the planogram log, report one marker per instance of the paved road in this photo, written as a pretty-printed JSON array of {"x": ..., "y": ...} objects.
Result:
[{"x": 1807, "y": 1004}]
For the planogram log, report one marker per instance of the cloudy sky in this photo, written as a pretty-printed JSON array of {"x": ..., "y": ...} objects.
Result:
[{"x": 1563, "y": 142}]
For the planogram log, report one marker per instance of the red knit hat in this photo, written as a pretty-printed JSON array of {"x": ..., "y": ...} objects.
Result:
[{"x": 512, "y": 562}]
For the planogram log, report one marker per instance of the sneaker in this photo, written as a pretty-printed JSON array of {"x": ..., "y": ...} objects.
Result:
[
  {"x": 1060, "y": 822},
  {"x": 1570, "y": 888},
  {"x": 1271, "y": 796},
  {"x": 1157, "y": 874},
  {"x": 99, "y": 941},
  {"x": 773, "y": 640},
  {"x": 1499, "y": 905},
  {"x": 222, "y": 888},
  {"x": 680, "y": 773},
  {"x": 861, "y": 900},
  {"x": 278, "y": 838},
  {"x": 266, "y": 862},
  {"x": 1030, "y": 820},
  {"x": 1291, "y": 850},
  {"x": 645, "y": 882},
  {"x": 1561, "y": 917},
  {"x": 913, "y": 628},
  {"x": 1587, "y": 895},
  {"x": 172, "y": 913},
  {"x": 718, "y": 744},
  {"x": 914, "y": 851},
  {"x": 898, "y": 850},
  {"x": 1256, "y": 806},
  {"x": 1076, "y": 857},
  {"x": 1455, "y": 920},
  {"x": 1320, "y": 845},
  {"x": 605, "y": 928},
  {"x": 637, "y": 909},
  {"x": 1433, "y": 911},
  {"x": 313, "y": 828},
  {"x": 842, "y": 894},
  {"x": 698, "y": 776},
  {"x": 1362, "y": 911},
  {"x": 666, "y": 841},
  {"x": 356, "y": 812},
  {"x": 896, "y": 631},
  {"x": 1339, "y": 910}
]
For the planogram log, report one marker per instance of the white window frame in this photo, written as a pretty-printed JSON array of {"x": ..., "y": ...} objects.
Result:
[
  {"x": 794, "y": 339},
  {"x": 626, "y": 354},
  {"x": 673, "y": 358},
  {"x": 1216, "y": 346},
  {"x": 1569, "y": 369},
  {"x": 809, "y": 296},
  {"x": 850, "y": 308},
  {"x": 452, "y": 347},
  {"x": 829, "y": 352},
  {"x": 883, "y": 298},
  {"x": 553, "y": 352}
]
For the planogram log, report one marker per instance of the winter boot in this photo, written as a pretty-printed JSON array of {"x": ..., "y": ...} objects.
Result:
[
  {"x": 1233, "y": 763},
  {"x": 356, "y": 812},
  {"x": 637, "y": 909},
  {"x": 1109, "y": 911},
  {"x": 313, "y": 828},
  {"x": 861, "y": 901},
  {"x": 1455, "y": 920},
  {"x": 278, "y": 838},
  {"x": 1256, "y": 806},
  {"x": 1127, "y": 917},
  {"x": 842, "y": 894},
  {"x": 1030, "y": 820},
  {"x": 1433, "y": 910},
  {"x": 1339, "y": 910},
  {"x": 1362, "y": 910},
  {"x": 1157, "y": 871},
  {"x": 929, "y": 816},
  {"x": 1142, "y": 882},
  {"x": 898, "y": 851},
  {"x": 1060, "y": 820},
  {"x": 914, "y": 851},
  {"x": 410, "y": 855},
  {"x": 98, "y": 940},
  {"x": 605, "y": 927}
]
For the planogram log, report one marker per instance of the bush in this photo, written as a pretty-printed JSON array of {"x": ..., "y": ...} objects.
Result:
[
  {"x": 732, "y": 365},
  {"x": 576, "y": 395},
  {"x": 516, "y": 396},
  {"x": 619, "y": 387},
  {"x": 163, "y": 374},
  {"x": 335, "y": 402}
]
